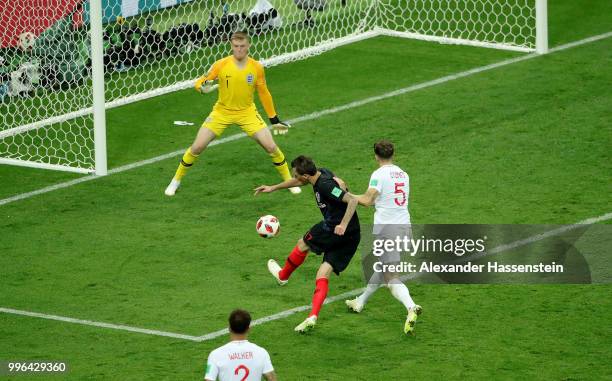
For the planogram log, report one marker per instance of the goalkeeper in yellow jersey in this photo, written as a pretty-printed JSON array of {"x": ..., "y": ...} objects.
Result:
[{"x": 238, "y": 76}]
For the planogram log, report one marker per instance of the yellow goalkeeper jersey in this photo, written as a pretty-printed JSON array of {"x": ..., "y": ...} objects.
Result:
[{"x": 237, "y": 85}]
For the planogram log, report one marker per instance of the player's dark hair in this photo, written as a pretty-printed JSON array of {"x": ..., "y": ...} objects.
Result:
[
  {"x": 304, "y": 165},
  {"x": 239, "y": 321},
  {"x": 383, "y": 149},
  {"x": 240, "y": 35}
]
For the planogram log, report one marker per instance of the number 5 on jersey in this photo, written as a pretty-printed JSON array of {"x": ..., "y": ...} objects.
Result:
[{"x": 400, "y": 198}]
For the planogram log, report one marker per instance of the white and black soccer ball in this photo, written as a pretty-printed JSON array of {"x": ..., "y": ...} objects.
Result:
[
  {"x": 26, "y": 41},
  {"x": 268, "y": 226}
]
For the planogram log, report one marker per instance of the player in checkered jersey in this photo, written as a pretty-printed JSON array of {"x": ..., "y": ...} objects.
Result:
[
  {"x": 388, "y": 191},
  {"x": 239, "y": 359},
  {"x": 336, "y": 238}
]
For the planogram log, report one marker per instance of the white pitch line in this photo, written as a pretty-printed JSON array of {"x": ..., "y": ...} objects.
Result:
[
  {"x": 587, "y": 40},
  {"x": 282, "y": 314},
  {"x": 289, "y": 312},
  {"x": 99, "y": 324},
  {"x": 357, "y": 291},
  {"x": 316, "y": 115},
  {"x": 123, "y": 168},
  {"x": 292, "y": 311}
]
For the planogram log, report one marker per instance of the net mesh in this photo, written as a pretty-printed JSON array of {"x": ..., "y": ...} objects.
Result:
[
  {"x": 505, "y": 22},
  {"x": 156, "y": 46}
]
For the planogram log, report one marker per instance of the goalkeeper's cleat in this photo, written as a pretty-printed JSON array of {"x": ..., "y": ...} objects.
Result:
[
  {"x": 354, "y": 305},
  {"x": 306, "y": 325},
  {"x": 295, "y": 190},
  {"x": 411, "y": 319},
  {"x": 275, "y": 269},
  {"x": 172, "y": 187}
]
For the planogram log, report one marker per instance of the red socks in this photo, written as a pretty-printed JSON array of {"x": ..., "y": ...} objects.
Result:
[
  {"x": 295, "y": 259},
  {"x": 320, "y": 293}
]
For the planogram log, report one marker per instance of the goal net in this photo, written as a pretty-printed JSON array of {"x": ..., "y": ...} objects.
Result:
[
  {"x": 153, "y": 47},
  {"x": 502, "y": 24}
]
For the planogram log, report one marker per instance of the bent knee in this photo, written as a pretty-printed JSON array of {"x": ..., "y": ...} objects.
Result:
[
  {"x": 302, "y": 245},
  {"x": 197, "y": 149},
  {"x": 271, "y": 148}
]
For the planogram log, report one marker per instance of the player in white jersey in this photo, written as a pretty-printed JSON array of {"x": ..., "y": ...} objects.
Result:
[
  {"x": 239, "y": 360},
  {"x": 388, "y": 191}
]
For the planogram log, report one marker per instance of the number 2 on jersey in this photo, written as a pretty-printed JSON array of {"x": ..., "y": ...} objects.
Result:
[
  {"x": 246, "y": 372},
  {"x": 400, "y": 199}
]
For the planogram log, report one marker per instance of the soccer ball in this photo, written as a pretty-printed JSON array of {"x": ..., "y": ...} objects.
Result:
[
  {"x": 26, "y": 41},
  {"x": 268, "y": 226}
]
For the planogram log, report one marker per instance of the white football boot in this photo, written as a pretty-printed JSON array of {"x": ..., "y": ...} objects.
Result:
[
  {"x": 354, "y": 305},
  {"x": 306, "y": 325},
  {"x": 172, "y": 187},
  {"x": 274, "y": 269}
]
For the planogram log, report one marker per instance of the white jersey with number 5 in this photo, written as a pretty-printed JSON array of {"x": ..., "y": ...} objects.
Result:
[
  {"x": 392, "y": 184},
  {"x": 238, "y": 360}
]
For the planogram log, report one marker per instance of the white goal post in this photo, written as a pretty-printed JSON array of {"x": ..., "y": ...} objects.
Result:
[{"x": 63, "y": 66}]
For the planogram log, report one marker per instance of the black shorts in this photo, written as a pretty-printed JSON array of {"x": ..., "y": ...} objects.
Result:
[{"x": 337, "y": 250}]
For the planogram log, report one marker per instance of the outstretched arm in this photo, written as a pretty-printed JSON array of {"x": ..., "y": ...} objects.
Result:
[
  {"x": 278, "y": 127},
  {"x": 266, "y": 99},
  {"x": 368, "y": 198},
  {"x": 284, "y": 185},
  {"x": 264, "y": 94}
]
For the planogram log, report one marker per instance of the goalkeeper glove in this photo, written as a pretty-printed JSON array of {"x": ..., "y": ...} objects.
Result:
[
  {"x": 208, "y": 87},
  {"x": 279, "y": 127}
]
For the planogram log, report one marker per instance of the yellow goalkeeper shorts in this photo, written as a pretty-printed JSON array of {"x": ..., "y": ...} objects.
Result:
[{"x": 249, "y": 121}]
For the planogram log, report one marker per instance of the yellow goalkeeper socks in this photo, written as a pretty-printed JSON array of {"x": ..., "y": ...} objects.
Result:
[
  {"x": 278, "y": 158},
  {"x": 185, "y": 164}
]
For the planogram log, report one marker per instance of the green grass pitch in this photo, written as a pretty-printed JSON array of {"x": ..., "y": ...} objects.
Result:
[{"x": 529, "y": 142}]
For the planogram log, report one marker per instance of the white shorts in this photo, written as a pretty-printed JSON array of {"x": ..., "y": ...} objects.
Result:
[{"x": 403, "y": 233}]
